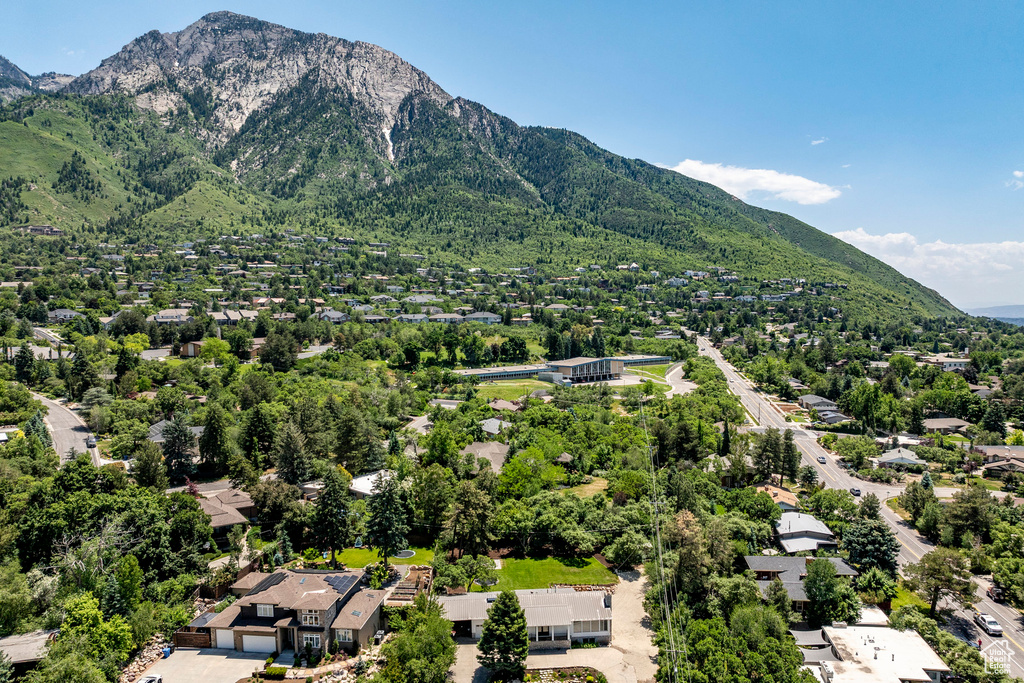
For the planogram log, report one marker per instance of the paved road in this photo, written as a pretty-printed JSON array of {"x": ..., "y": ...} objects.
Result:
[
  {"x": 68, "y": 431},
  {"x": 47, "y": 335},
  {"x": 913, "y": 545},
  {"x": 674, "y": 376},
  {"x": 314, "y": 351}
]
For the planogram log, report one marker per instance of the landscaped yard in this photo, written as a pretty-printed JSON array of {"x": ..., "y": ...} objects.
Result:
[
  {"x": 657, "y": 370},
  {"x": 360, "y": 557},
  {"x": 510, "y": 390},
  {"x": 528, "y": 573},
  {"x": 906, "y": 597},
  {"x": 587, "y": 490}
]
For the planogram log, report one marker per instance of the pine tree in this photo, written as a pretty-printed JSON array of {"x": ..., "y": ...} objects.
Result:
[
  {"x": 726, "y": 443},
  {"x": 258, "y": 434},
  {"x": 394, "y": 447},
  {"x": 790, "y": 456},
  {"x": 768, "y": 454},
  {"x": 82, "y": 375},
  {"x": 179, "y": 443},
  {"x": 505, "y": 641},
  {"x": 386, "y": 528},
  {"x": 214, "y": 443},
  {"x": 330, "y": 523},
  {"x": 290, "y": 455},
  {"x": 36, "y": 426},
  {"x": 24, "y": 364}
]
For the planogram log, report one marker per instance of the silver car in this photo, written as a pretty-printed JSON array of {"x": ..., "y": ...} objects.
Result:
[{"x": 988, "y": 624}]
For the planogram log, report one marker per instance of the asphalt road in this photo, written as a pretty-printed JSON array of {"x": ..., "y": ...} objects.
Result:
[
  {"x": 913, "y": 545},
  {"x": 68, "y": 431}
]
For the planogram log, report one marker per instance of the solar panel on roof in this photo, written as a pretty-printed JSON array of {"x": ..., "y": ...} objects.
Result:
[
  {"x": 356, "y": 613},
  {"x": 341, "y": 582},
  {"x": 266, "y": 583}
]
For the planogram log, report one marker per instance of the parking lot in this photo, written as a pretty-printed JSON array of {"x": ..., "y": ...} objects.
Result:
[{"x": 207, "y": 666}]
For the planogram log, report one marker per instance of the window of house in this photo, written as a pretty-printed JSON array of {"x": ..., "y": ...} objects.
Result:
[
  {"x": 264, "y": 610},
  {"x": 344, "y": 635},
  {"x": 310, "y": 617},
  {"x": 311, "y": 639}
]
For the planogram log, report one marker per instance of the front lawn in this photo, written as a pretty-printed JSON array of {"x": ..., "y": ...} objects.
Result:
[
  {"x": 907, "y": 597},
  {"x": 360, "y": 557},
  {"x": 529, "y": 573},
  {"x": 510, "y": 390}
]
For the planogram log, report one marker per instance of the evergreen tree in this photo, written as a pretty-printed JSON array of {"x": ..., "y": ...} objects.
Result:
[
  {"x": 790, "y": 456},
  {"x": 149, "y": 470},
  {"x": 290, "y": 457},
  {"x": 768, "y": 454},
  {"x": 726, "y": 443},
  {"x": 926, "y": 480},
  {"x": 394, "y": 447},
  {"x": 24, "y": 364},
  {"x": 916, "y": 418},
  {"x": 126, "y": 362},
  {"x": 82, "y": 375},
  {"x": 994, "y": 419},
  {"x": 330, "y": 521},
  {"x": 258, "y": 434},
  {"x": 215, "y": 443},
  {"x": 6, "y": 669},
  {"x": 36, "y": 426},
  {"x": 505, "y": 641},
  {"x": 179, "y": 444},
  {"x": 777, "y": 596},
  {"x": 386, "y": 528}
]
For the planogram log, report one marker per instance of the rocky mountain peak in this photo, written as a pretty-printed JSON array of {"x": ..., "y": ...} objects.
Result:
[{"x": 241, "y": 64}]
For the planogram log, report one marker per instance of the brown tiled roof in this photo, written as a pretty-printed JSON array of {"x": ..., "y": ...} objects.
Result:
[
  {"x": 249, "y": 581},
  {"x": 234, "y": 498},
  {"x": 220, "y": 515}
]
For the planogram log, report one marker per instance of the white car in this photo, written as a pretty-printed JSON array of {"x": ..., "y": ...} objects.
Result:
[
  {"x": 152, "y": 679},
  {"x": 988, "y": 624}
]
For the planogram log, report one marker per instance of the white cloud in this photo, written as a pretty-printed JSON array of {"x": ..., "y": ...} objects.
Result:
[
  {"x": 968, "y": 274},
  {"x": 846, "y": 166},
  {"x": 1017, "y": 182},
  {"x": 743, "y": 182},
  {"x": 819, "y": 141}
]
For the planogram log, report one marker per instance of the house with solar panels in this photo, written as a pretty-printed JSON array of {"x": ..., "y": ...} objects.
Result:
[{"x": 292, "y": 608}]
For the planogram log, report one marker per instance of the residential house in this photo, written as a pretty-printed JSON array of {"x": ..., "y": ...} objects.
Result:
[
  {"x": 170, "y": 316},
  {"x": 156, "y": 432},
  {"x": 900, "y": 456},
  {"x": 485, "y": 317},
  {"x": 555, "y": 617},
  {"x": 785, "y": 499},
  {"x": 62, "y": 315},
  {"x": 446, "y": 318},
  {"x": 376, "y": 319},
  {"x": 494, "y": 426},
  {"x": 799, "y": 532},
  {"x": 879, "y": 654},
  {"x": 293, "y": 608},
  {"x": 25, "y": 650},
  {"x": 944, "y": 425},
  {"x": 791, "y": 571},
  {"x": 362, "y": 487},
  {"x": 232, "y": 317},
  {"x": 815, "y": 402},
  {"x": 332, "y": 316},
  {"x": 411, "y": 318},
  {"x": 494, "y": 452}
]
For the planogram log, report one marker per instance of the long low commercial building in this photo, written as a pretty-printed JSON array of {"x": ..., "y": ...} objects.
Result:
[{"x": 571, "y": 369}]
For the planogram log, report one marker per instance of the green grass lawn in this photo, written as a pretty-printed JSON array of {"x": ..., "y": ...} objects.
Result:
[
  {"x": 906, "y": 597},
  {"x": 894, "y": 505},
  {"x": 528, "y": 573},
  {"x": 510, "y": 390},
  {"x": 360, "y": 557},
  {"x": 587, "y": 490},
  {"x": 656, "y": 370}
]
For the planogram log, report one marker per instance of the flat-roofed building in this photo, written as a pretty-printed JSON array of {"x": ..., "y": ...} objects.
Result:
[
  {"x": 873, "y": 654},
  {"x": 588, "y": 369}
]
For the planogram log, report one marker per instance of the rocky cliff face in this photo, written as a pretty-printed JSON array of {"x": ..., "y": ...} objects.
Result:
[
  {"x": 239, "y": 65},
  {"x": 14, "y": 82}
]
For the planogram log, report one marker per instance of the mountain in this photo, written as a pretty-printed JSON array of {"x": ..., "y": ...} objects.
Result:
[
  {"x": 234, "y": 121},
  {"x": 15, "y": 83}
]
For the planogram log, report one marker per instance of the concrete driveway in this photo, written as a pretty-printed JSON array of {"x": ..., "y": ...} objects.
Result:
[{"x": 207, "y": 666}]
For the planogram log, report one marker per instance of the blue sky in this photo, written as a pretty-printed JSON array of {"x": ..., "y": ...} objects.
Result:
[{"x": 894, "y": 125}]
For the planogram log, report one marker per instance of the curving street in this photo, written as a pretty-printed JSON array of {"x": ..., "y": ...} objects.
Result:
[
  {"x": 914, "y": 546},
  {"x": 68, "y": 430}
]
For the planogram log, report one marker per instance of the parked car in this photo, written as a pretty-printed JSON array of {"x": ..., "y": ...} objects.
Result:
[
  {"x": 821, "y": 459},
  {"x": 854, "y": 490},
  {"x": 152, "y": 679},
  {"x": 988, "y": 624},
  {"x": 994, "y": 593},
  {"x": 91, "y": 441}
]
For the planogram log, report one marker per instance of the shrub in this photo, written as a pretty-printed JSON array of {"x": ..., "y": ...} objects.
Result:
[
  {"x": 270, "y": 660},
  {"x": 275, "y": 672}
]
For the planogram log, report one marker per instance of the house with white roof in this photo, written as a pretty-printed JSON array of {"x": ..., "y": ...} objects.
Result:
[{"x": 799, "y": 532}]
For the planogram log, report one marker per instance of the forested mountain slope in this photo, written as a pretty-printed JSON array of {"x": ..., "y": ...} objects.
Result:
[{"x": 233, "y": 124}]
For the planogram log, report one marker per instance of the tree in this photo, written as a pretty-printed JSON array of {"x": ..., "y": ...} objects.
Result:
[
  {"x": 24, "y": 364},
  {"x": 330, "y": 521},
  {"x": 871, "y": 543},
  {"x": 258, "y": 434},
  {"x": 994, "y": 419},
  {"x": 105, "y": 638},
  {"x": 240, "y": 342},
  {"x": 808, "y": 476},
  {"x": 433, "y": 492},
  {"x": 469, "y": 520},
  {"x": 83, "y": 375},
  {"x": 870, "y": 507},
  {"x": 179, "y": 444},
  {"x": 6, "y": 669},
  {"x": 290, "y": 457},
  {"x": 36, "y": 426},
  {"x": 505, "y": 640},
  {"x": 768, "y": 454},
  {"x": 942, "y": 573},
  {"x": 829, "y": 598},
  {"x": 386, "y": 529},
  {"x": 214, "y": 443},
  {"x": 279, "y": 351},
  {"x": 875, "y": 586},
  {"x": 149, "y": 470},
  {"x": 915, "y": 498},
  {"x": 423, "y": 651},
  {"x": 790, "y": 456},
  {"x": 778, "y": 597}
]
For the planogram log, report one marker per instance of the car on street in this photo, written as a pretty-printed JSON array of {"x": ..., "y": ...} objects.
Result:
[
  {"x": 854, "y": 490},
  {"x": 91, "y": 441},
  {"x": 821, "y": 459},
  {"x": 994, "y": 593},
  {"x": 988, "y": 624}
]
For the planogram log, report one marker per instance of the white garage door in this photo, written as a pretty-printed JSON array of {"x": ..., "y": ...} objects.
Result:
[
  {"x": 225, "y": 639},
  {"x": 259, "y": 644}
]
